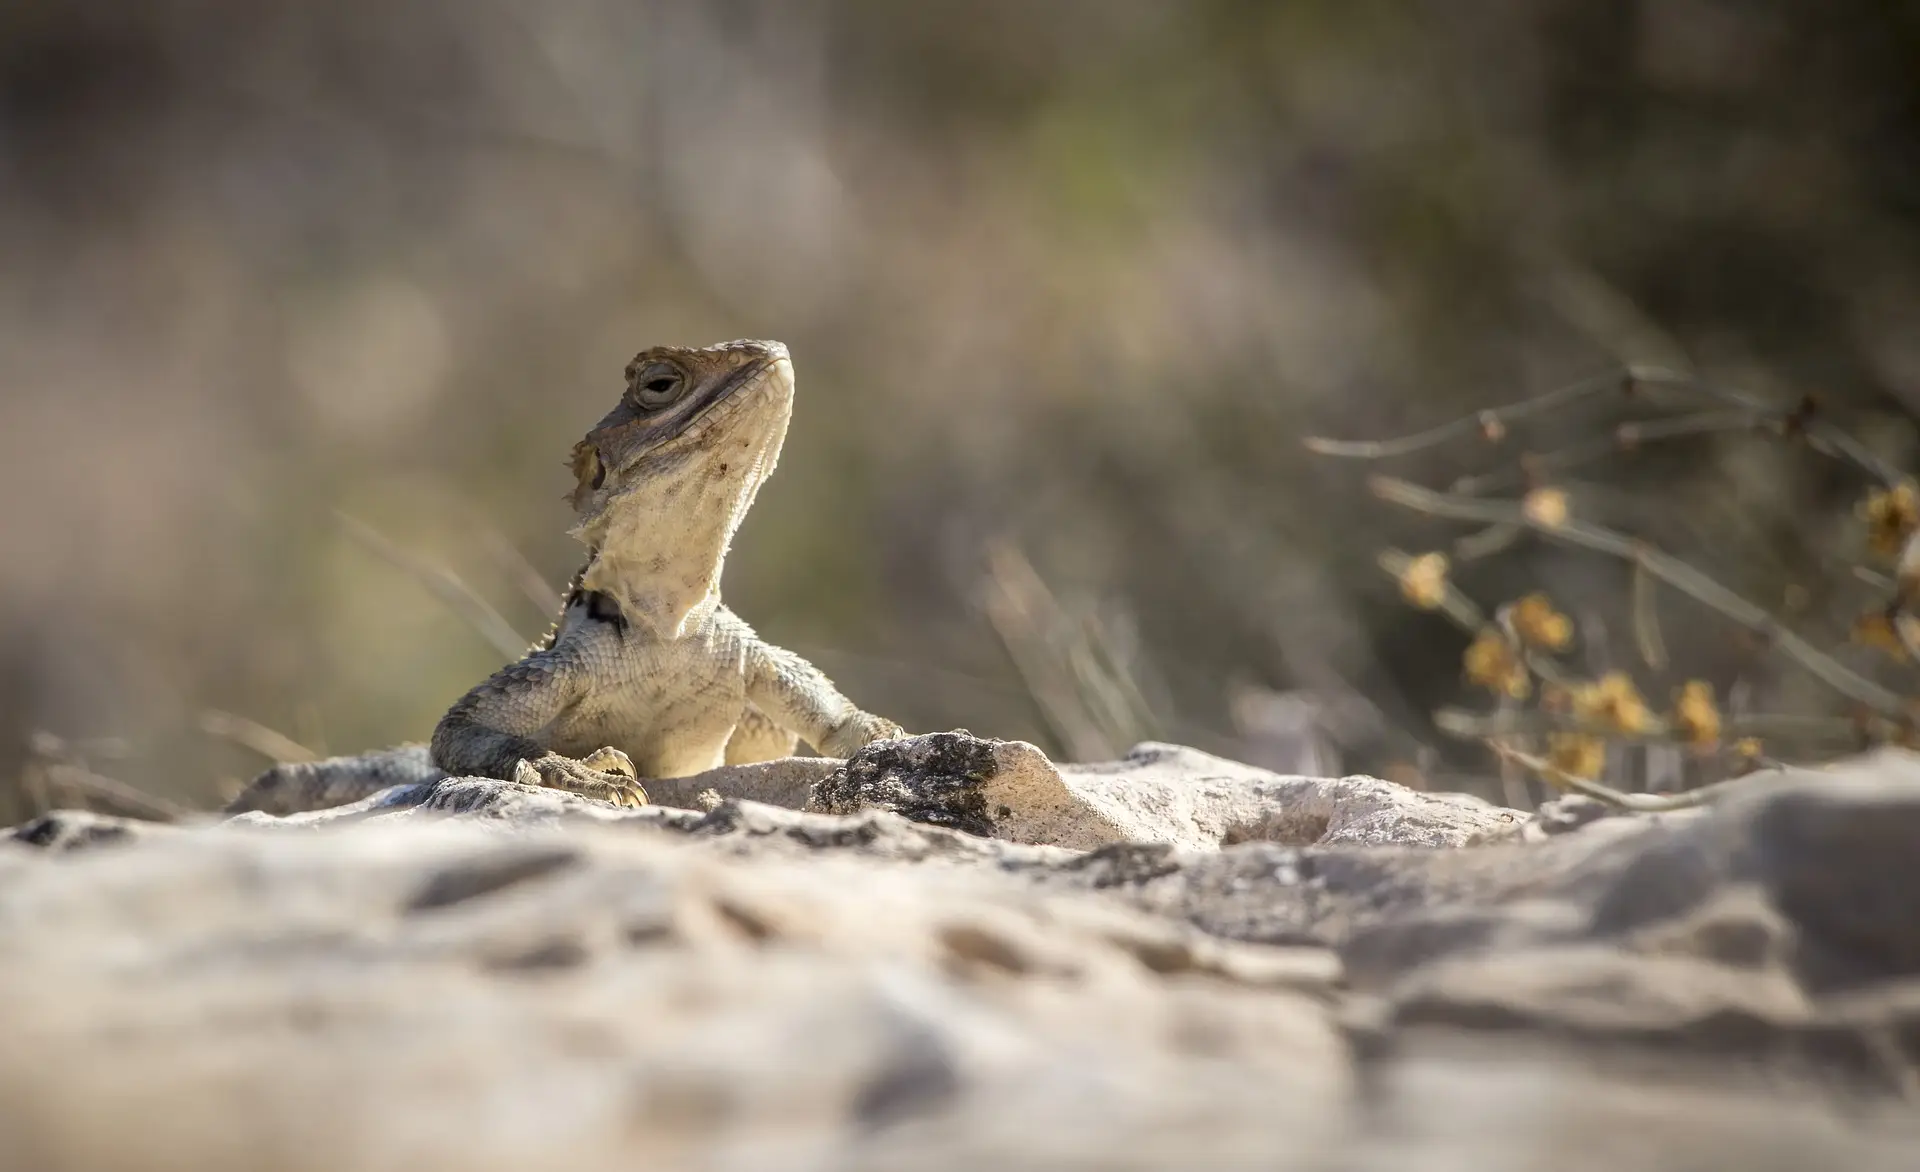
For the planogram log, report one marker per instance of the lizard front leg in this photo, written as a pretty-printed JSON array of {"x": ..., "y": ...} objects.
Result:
[
  {"x": 796, "y": 695},
  {"x": 491, "y": 732},
  {"x": 758, "y": 738}
]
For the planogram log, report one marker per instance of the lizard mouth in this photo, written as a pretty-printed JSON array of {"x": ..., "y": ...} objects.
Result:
[
  {"x": 710, "y": 408},
  {"x": 598, "y": 470}
]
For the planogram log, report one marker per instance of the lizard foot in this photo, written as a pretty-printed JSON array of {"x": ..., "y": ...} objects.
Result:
[
  {"x": 856, "y": 734},
  {"x": 605, "y": 773}
]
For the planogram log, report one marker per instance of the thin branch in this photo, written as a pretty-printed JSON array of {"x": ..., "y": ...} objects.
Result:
[
  {"x": 1665, "y": 567},
  {"x": 52, "y": 747},
  {"x": 1492, "y": 421},
  {"x": 1476, "y": 726},
  {"x": 1514, "y": 789},
  {"x": 444, "y": 584},
  {"x": 1875, "y": 578},
  {"x": 116, "y": 794},
  {"x": 1906, "y": 628},
  {"x": 251, "y": 734},
  {"x": 530, "y": 581},
  {"x": 1646, "y": 621},
  {"x": 1038, "y": 639},
  {"x": 1486, "y": 542},
  {"x": 53, "y": 762},
  {"x": 1625, "y": 438},
  {"x": 1638, "y": 803},
  {"x": 1799, "y": 420}
]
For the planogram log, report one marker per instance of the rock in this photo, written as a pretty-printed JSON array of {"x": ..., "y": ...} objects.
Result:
[
  {"x": 289, "y": 788},
  {"x": 1451, "y": 1103},
  {"x": 786, "y": 782},
  {"x": 382, "y": 993},
  {"x": 1170, "y": 793},
  {"x": 1285, "y": 972},
  {"x": 1157, "y": 793},
  {"x": 1567, "y": 813},
  {"x": 509, "y": 809},
  {"x": 1829, "y": 855},
  {"x": 1008, "y": 790},
  {"x": 944, "y": 779},
  {"x": 67, "y": 830},
  {"x": 304, "y": 787}
]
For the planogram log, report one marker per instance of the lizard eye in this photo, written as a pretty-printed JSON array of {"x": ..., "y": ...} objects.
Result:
[{"x": 658, "y": 385}]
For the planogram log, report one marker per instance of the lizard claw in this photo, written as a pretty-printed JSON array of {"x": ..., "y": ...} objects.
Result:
[
  {"x": 856, "y": 734},
  {"x": 608, "y": 759},
  {"x": 605, "y": 773}
]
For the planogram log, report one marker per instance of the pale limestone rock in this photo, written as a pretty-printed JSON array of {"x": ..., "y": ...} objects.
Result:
[
  {"x": 398, "y": 993},
  {"x": 1170, "y": 793},
  {"x": 786, "y": 781},
  {"x": 475, "y": 974},
  {"x": 1158, "y": 793}
]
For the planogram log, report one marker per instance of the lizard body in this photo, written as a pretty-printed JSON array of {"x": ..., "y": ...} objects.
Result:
[{"x": 646, "y": 673}]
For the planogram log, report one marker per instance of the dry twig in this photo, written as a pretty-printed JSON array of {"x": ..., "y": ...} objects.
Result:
[
  {"x": 1070, "y": 664},
  {"x": 1581, "y": 721},
  {"x": 251, "y": 734},
  {"x": 444, "y": 584},
  {"x": 1668, "y": 569},
  {"x": 1625, "y": 438},
  {"x": 1800, "y": 420},
  {"x": 54, "y": 764},
  {"x": 1477, "y": 726},
  {"x": 1638, "y": 803}
]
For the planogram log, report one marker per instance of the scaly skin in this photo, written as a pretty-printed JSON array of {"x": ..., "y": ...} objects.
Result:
[{"x": 647, "y": 674}]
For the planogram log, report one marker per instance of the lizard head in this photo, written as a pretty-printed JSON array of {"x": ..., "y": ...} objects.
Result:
[{"x": 663, "y": 481}]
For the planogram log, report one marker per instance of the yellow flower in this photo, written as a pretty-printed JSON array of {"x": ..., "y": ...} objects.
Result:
[
  {"x": 1424, "y": 582},
  {"x": 1546, "y": 507},
  {"x": 1695, "y": 715},
  {"x": 1495, "y": 665},
  {"x": 1578, "y": 754},
  {"x": 1614, "y": 703},
  {"x": 1875, "y": 629},
  {"x": 1891, "y": 515},
  {"x": 1539, "y": 624}
]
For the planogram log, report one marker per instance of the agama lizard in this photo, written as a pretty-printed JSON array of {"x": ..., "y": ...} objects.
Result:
[{"x": 646, "y": 673}]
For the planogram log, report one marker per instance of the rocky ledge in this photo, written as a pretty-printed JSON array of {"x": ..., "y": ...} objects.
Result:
[{"x": 948, "y": 953}]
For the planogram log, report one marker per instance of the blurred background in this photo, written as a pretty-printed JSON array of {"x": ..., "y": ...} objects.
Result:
[{"x": 302, "y": 303}]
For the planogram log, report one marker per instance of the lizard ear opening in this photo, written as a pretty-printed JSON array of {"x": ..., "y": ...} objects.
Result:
[{"x": 589, "y": 473}]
